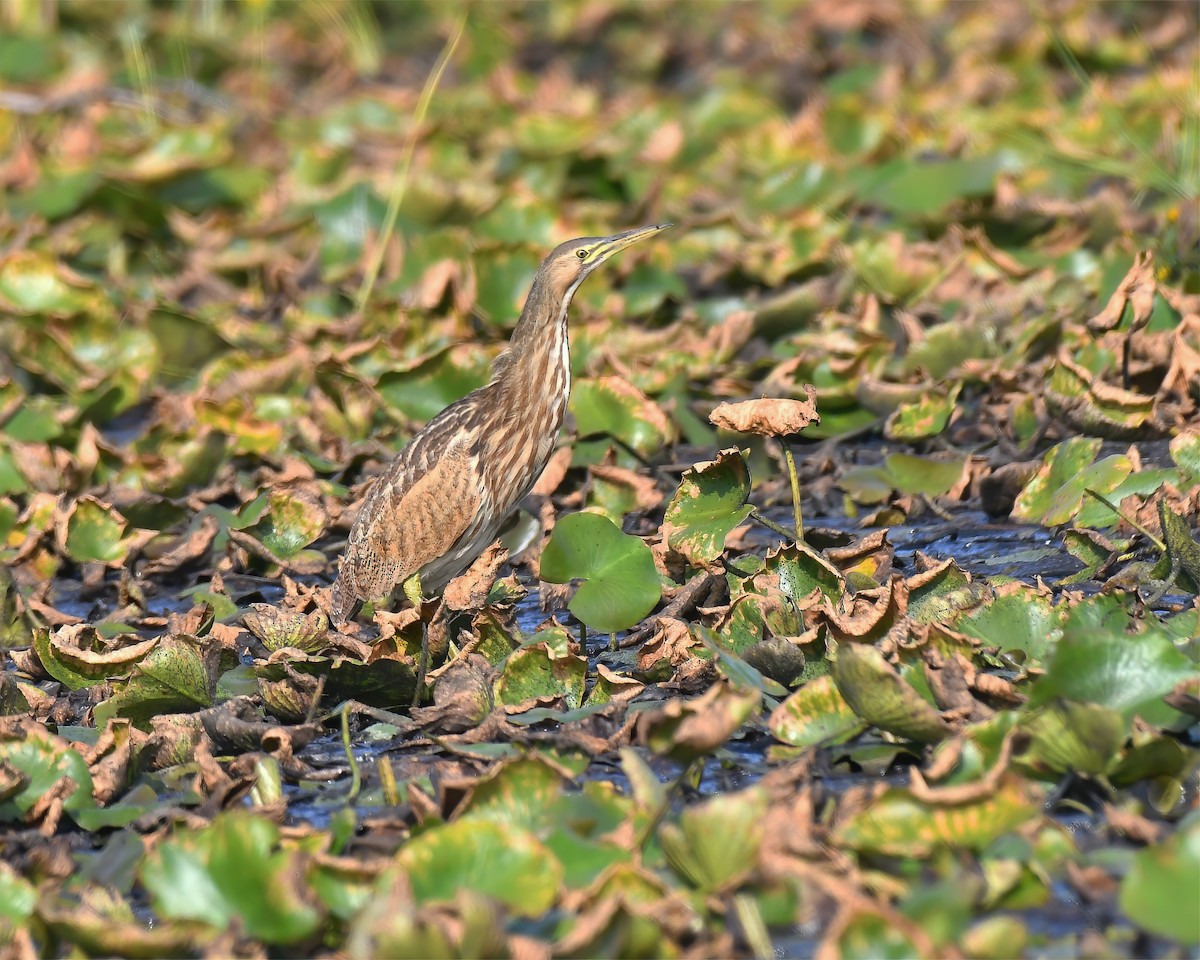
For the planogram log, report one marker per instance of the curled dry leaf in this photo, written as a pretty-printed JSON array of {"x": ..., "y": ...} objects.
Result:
[
  {"x": 672, "y": 642},
  {"x": 1135, "y": 291},
  {"x": 768, "y": 417},
  {"x": 278, "y": 628},
  {"x": 192, "y": 547},
  {"x": 686, "y": 729},
  {"x": 868, "y": 615},
  {"x": 470, "y": 590},
  {"x": 462, "y": 697}
]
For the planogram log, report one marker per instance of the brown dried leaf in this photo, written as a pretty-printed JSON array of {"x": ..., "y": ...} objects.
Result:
[
  {"x": 469, "y": 591},
  {"x": 868, "y": 615},
  {"x": 554, "y": 473},
  {"x": 1133, "y": 825},
  {"x": 192, "y": 547},
  {"x": 689, "y": 728},
  {"x": 113, "y": 759},
  {"x": 768, "y": 417},
  {"x": 1136, "y": 290},
  {"x": 673, "y": 642},
  {"x": 462, "y": 697},
  {"x": 645, "y": 489}
]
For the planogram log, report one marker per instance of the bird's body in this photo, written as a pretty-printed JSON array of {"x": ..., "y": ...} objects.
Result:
[{"x": 446, "y": 495}]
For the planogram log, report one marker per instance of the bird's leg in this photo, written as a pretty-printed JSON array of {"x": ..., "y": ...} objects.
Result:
[{"x": 412, "y": 590}]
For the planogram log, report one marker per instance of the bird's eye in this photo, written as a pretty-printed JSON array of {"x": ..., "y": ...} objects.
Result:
[{"x": 582, "y": 254}]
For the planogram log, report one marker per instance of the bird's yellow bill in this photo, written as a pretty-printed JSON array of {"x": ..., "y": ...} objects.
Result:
[{"x": 620, "y": 241}]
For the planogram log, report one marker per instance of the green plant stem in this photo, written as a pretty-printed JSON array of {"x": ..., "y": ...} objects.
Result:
[
  {"x": 1159, "y": 545},
  {"x": 422, "y": 665},
  {"x": 771, "y": 524},
  {"x": 400, "y": 185},
  {"x": 667, "y": 800},
  {"x": 416, "y": 596},
  {"x": 387, "y": 779},
  {"x": 753, "y": 928},
  {"x": 795, "y": 481},
  {"x": 355, "y": 773}
]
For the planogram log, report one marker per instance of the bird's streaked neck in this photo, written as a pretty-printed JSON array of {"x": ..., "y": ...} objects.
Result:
[{"x": 540, "y": 333}]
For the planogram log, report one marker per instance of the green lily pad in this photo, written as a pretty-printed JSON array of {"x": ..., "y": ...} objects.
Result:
[
  {"x": 278, "y": 628},
  {"x": 1069, "y": 736},
  {"x": 814, "y": 714},
  {"x": 801, "y": 571},
  {"x": 1162, "y": 887},
  {"x": 1143, "y": 483},
  {"x": 39, "y": 419},
  {"x": 876, "y": 693},
  {"x": 516, "y": 793},
  {"x": 173, "y": 678},
  {"x": 1098, "y": 661},
  {"x": 502, "y": 280},
  {"x": 942, "y": 592},
  {"x": 17, "y": 899},
  {"x": 233, "y": 870},
  {"x": 347, "y": 221},
  {"x": 710, "y": 502},
  {"x": 295, "y": 518},
  {"x": 648, "y": 286},
  {"x": 923, "y": 419},
  {"x": 922, "y": 475},
  {"x": 1023, "y": 621},
  {"x": 423, "y": 390},
  {"x": 899, "y": 824},
  {"x": 1061, "y": 463},
  {"x": 43, "y": 763},
  {"x": 491, "y": 858},
  {"x": 1185, "y": 451},
  {"x": 867, "y": 485},
  {"x": 178, "y": 151},
  {"x": 615, "y": 407},
  {"x": 185, "y": 342},
  {"x": 32, "y": 283},
  {"x": 621, "y": 583},
  {"x": 94, "y": 532},
  {"x": 924, "y": 188},
  {"x": 533, "y": 673},
  {"x": 715, "y": 844},
  {"x": 1104, "y": 476}
]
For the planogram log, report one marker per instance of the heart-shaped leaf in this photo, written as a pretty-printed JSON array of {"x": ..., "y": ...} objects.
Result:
[{"x": 621, "y": 583}]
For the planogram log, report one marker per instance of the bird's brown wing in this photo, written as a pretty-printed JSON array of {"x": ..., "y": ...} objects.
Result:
[{"x": 416, "y": 511}]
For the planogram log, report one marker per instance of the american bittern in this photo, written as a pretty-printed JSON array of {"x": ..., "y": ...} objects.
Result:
[{"x": 446, "y": 495}]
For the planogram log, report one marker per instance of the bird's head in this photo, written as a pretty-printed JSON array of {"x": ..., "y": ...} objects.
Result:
[{"x": 569, "y": 263}]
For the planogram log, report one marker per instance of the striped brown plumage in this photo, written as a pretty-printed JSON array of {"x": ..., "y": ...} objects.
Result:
[{"x": 443, "y": 499}]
